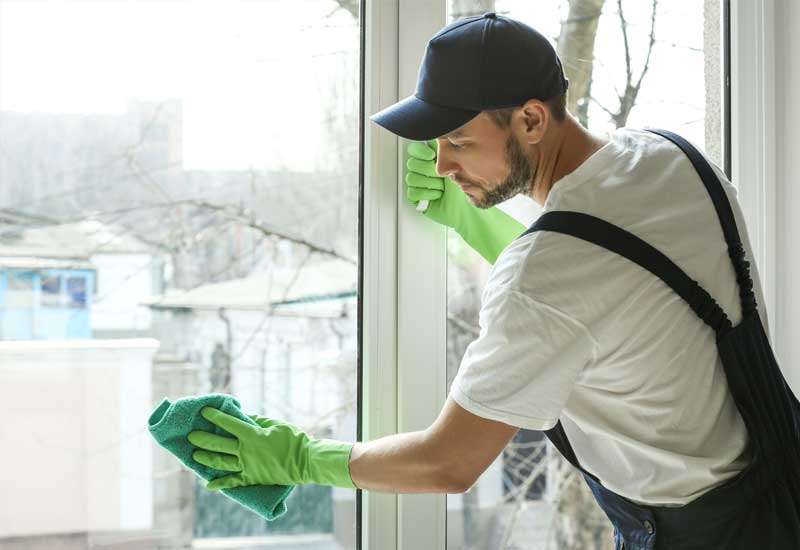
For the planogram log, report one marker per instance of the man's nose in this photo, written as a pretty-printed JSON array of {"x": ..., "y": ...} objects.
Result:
[{"x": 444, "y": 165}]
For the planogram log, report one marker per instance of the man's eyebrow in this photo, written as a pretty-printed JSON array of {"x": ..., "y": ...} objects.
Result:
[{"x": 454, "y": 134}]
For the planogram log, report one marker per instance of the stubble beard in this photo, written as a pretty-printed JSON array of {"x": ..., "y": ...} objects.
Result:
[{"x": 519, "y": 179}]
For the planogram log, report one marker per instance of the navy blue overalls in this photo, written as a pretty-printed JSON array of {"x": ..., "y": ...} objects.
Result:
[{"x": 759, "y": 509}]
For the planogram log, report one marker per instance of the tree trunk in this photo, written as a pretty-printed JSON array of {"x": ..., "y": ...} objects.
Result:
[
  {"x": 460, "y": 9},
  {"x": 575, "y": 48}
]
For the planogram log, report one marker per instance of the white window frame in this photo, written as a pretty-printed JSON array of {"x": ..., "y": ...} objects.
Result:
[
  {"x": 753, "y": 137},
  {"x": 404, "y": 279},
  {"x": 379, "y": 263},
  {"x": 404, "y": 289}
]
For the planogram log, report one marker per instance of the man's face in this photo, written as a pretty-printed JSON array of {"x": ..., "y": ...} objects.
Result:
[{"x": 487, "y": 162}]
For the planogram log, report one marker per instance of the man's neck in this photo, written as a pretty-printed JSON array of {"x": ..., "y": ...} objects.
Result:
[{"x": 571, "y": 145}]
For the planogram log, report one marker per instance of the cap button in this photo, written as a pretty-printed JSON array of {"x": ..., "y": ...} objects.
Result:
[{"x": 490, "y": 15}]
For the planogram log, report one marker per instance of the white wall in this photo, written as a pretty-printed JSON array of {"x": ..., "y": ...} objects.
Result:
[
  {"x": 77, "y": 455},
  {"x": 787, "y": 200},
  {"x": 123, "y": 281}
]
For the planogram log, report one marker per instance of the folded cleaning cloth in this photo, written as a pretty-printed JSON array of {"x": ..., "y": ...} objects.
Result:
[{"x": 170, "y": 423}]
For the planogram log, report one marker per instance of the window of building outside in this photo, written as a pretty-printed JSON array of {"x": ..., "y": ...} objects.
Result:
[
  {"x": 76, "y": 292},
  {"x": 530, "y": 498},
  {"x": 201, "y": 159},
  {"x": 50, "y": 291}
]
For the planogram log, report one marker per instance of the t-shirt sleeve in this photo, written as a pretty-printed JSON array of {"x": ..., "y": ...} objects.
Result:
[{"x": 522, "y": 367}]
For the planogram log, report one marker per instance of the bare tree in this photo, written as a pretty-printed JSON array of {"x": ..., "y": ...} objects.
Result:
[
  {"x": 627, "y": 98},
  {"x": 575, "y": 48}
]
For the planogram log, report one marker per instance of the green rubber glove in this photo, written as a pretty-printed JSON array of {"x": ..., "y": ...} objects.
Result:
[
  {"x": 271, "y": 453},
  {"x": 486, "y": 230}
]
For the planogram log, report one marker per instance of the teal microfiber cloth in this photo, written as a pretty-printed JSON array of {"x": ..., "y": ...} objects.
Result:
[{"x": 170, "y": 423}]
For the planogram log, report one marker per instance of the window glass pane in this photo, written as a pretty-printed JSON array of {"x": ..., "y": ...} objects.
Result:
[
  {"x": 201, "y": 159},
  {"x": 51, "y": 291},
  {"x": 76, "y": 291},
  {"x": 530, "y": 498}
]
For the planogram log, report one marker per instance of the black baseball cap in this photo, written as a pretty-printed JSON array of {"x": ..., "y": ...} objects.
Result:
[{"x": 474, "y": 64}]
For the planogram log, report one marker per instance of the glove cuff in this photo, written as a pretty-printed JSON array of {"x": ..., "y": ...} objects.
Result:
[
  {"x": 489, "y": 231},
  {"x": 329, "y": 463}
]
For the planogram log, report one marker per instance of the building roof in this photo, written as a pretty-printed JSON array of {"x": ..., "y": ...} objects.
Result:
[
  {"x": 30, "y": 262},
  {"x": 320, "y": 287},
  {"x": 73, "y": 242}
]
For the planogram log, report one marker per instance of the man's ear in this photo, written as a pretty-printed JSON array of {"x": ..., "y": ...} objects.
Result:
[{"x": 531, "y": 121}]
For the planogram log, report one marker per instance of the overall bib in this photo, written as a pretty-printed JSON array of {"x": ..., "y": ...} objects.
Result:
[{"x": 759, "y": 509}]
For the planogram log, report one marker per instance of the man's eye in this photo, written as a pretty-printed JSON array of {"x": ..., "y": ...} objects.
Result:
[{"x": 456, "y": 145}]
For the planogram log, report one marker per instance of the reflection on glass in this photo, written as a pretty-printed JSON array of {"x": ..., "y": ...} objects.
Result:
[
  {"x": 206, "y": 172},
  {"x": 530, "y": 498}
]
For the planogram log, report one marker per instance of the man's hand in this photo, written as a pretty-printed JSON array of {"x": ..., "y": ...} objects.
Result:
[
  {"x": 487, "y": 231},
  {"x": 446, "y": 200},
  {"x": 269, "y": 453}
]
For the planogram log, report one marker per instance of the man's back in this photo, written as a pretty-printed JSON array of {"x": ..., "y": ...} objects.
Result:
[{"x": 632, "y": 370}]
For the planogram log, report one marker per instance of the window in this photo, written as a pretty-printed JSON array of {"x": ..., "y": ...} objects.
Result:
[
  {"x": 76, "y": 292},
  {"x": 50, "y": 291},
  {"x": 202, "y": 159},
  {"x": 212, "y": 165}
]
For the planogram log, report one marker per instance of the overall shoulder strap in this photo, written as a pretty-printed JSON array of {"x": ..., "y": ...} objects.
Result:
[
  {"x": 724, "y": 213},
  {"x": 628, "y": 245}
]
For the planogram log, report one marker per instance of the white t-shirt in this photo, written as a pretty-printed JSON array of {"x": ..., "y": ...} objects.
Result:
[{"x": 571, "y": 330}]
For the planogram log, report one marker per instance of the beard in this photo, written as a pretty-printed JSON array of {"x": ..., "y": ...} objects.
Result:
[{"x": 519, "y": 179}]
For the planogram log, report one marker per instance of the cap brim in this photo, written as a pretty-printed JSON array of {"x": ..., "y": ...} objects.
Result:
[{"x": 418, "y": 120}]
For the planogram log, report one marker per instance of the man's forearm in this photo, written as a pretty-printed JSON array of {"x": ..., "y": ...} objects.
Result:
[{"x": 400, "y": 463}]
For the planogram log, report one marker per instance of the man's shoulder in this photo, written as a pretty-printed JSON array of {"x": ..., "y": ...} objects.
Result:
[{"x": 515, "y": 264}]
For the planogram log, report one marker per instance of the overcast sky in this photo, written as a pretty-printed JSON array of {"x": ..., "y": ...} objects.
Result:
[{"x": 252, "y": 73}]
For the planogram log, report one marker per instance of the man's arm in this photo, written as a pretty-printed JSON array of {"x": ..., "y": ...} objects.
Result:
[
  {"x": 448, "y": 457},
  {"x": 399, "y": 463}
]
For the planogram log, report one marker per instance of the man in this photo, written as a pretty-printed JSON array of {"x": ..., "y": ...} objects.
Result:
[{"x": 616, "y": 365}]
